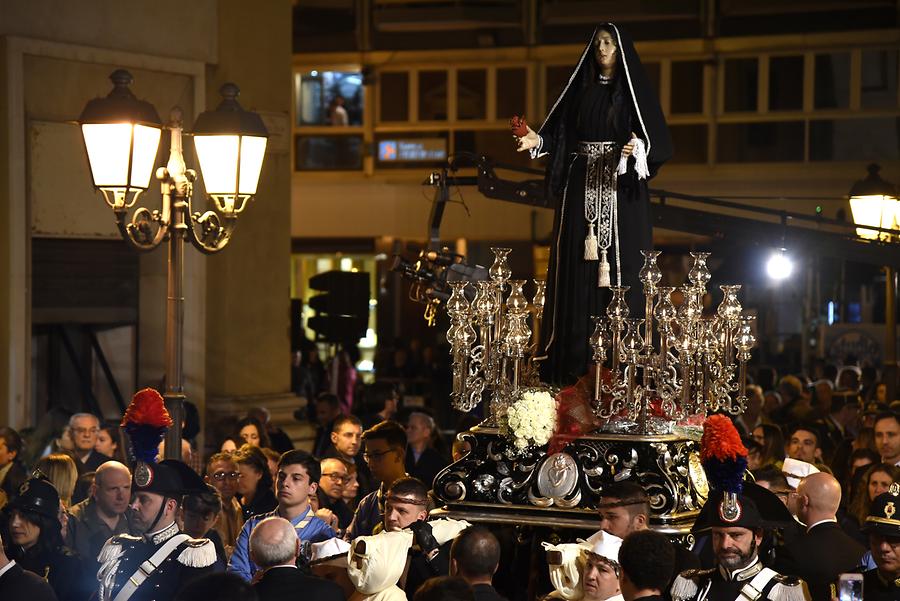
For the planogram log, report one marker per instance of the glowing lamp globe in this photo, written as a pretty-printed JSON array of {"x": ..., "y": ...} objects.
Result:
[
  {"x": 230, "y": 144},
  {"x": 779, "y": 266},
  {"x": 873, "y": 203},
  {"x": 121, "y": 136}
]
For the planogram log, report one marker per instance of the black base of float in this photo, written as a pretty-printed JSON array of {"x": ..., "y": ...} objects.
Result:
[{"x": 492, "y": 484}]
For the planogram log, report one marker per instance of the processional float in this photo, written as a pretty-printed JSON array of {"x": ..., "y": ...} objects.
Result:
[{"x": 544, "y": 456}]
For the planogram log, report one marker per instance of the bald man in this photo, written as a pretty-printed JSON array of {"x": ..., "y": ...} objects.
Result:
[
  {"x": 102, "y": 514},
  {"x": 274, "y": 547},
  {"x": 825, "y": 551}
]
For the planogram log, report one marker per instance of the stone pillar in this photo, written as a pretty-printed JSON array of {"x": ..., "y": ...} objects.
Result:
[{"x": 248, "y": 284}]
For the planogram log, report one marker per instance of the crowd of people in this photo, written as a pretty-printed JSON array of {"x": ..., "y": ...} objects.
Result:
[{"x": 259, "y": 519}]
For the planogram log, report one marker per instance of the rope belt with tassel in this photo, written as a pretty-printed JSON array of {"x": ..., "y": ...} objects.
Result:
[{"x": 600, "y": 206}]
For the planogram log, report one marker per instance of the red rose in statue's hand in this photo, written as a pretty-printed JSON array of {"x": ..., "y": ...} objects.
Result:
[{"x": 518, "y": 125}]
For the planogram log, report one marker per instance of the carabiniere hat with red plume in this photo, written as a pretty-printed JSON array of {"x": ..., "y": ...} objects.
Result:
[
  {"x": 146, "y": 421},
  {"x": 733, "y": 502}
]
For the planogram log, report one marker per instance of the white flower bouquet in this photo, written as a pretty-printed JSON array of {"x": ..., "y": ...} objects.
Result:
[{"x": 531, "y": 419}]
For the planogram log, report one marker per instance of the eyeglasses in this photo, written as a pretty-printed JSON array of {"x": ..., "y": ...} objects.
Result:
[
  {"x": 337, "y": 477},
  {"x": 219, "y": 476},
  {"x": 85, "y": 430},
  {"x": 372, "y": 456}
]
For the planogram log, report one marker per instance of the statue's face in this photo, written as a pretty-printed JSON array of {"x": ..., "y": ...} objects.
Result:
[{"x": 605, "y": 50}]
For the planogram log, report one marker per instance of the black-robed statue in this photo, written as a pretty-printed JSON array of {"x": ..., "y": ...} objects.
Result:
[{"x": 606, "y": 137}]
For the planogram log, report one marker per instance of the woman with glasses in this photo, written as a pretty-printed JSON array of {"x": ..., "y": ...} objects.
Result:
[
  {"x": 222, "y": 473},
  {"x": 255, "y": 482}
]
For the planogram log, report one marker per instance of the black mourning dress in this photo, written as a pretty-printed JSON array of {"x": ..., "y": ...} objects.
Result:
[{"x": 589, "y": 110}]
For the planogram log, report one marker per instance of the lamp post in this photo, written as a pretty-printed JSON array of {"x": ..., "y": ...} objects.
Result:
[
  {"x": 121, "y": 136},
  {"x": 874, "y": 203}
]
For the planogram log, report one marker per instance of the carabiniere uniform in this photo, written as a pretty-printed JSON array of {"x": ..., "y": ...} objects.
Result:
[
  {"x": 755, "y": 508},
  {"x": 883, "y": 519},
  {"x": 735, "y": 503},
  {"x": 156, "y": 565}
]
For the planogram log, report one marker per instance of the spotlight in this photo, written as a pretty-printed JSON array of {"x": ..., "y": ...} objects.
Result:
[{"x": 779, "y": 266}]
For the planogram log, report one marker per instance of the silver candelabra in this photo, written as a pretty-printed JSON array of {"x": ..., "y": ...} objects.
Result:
[
  {"x": 490, "y": 336},
  {"x": 650, "y": 373},
  {"x": 675, "y": 363}
]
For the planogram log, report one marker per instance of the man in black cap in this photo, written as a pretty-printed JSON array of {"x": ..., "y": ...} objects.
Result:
[
  {"x": 883, "y": 527},
  {"x": 737, "y": 523},
  {"x": 158, "y": 563}
]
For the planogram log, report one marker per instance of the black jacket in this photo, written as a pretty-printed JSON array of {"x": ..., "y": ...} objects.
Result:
[
  {"x": 877, "y": 588},
  {"x": 94, "y": 460},
  {"x": 17, "y": 583},
  {"x": 819, "y": 557},
  {"x": 421, "y": 568},
  {"x": 290, "y": 583},
  {"x": 339, "y": 508},
  {"x": 62, "y": 570},
  {"x": 486, "y": 592},
  {"x": 263, "y": 501},
  {"x": 427, "y": 467}
]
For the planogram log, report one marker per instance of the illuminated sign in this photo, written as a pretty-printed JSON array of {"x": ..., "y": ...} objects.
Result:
[{"x": 412, "y": 150}]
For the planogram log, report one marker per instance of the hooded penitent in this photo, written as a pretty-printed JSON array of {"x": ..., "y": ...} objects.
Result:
[
  {"x": 375, "y": 566},
  {"x": 566, "y": 562},
  {"x": 602, "y": 200}
]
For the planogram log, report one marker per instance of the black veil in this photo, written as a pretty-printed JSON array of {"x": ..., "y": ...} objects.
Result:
[{"x": 634, "y": 102}]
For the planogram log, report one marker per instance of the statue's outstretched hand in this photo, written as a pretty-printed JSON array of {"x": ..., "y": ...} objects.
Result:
[
  {"x": 528, "y": 141},
  {"x": 525, "y": 137}
]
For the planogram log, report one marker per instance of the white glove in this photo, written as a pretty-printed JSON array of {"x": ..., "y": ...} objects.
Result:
[{"x": 528, "y": 141}]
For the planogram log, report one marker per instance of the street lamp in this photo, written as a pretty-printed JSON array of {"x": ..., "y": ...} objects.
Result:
[
  {"x": 121, "y": 137},
  {"x": 873, "y": 203},
  {"x": 779, "y": 266}
]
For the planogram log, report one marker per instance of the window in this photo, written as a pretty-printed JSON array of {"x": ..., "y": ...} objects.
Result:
[
  {"x": 511, "y": 92},
  {"x": 471, "y": 94},
  {"x": 764, "y": 142},
  {"x": 854, "y": 139},
  {"x": 394, "y": 96},
  {"x": 832, "y": 81},
  {"x": 334, "y": 152},
  {"x": 689, "y": 142},
  {"x": 330, "y": 98},
  {"x": 432, "y": 95},
  {"x": 786, "y": 83},
  {"x": 741, "y": 84},
  {"x": 687, "y": 87},
  {"x": 879, "y": 79}
]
